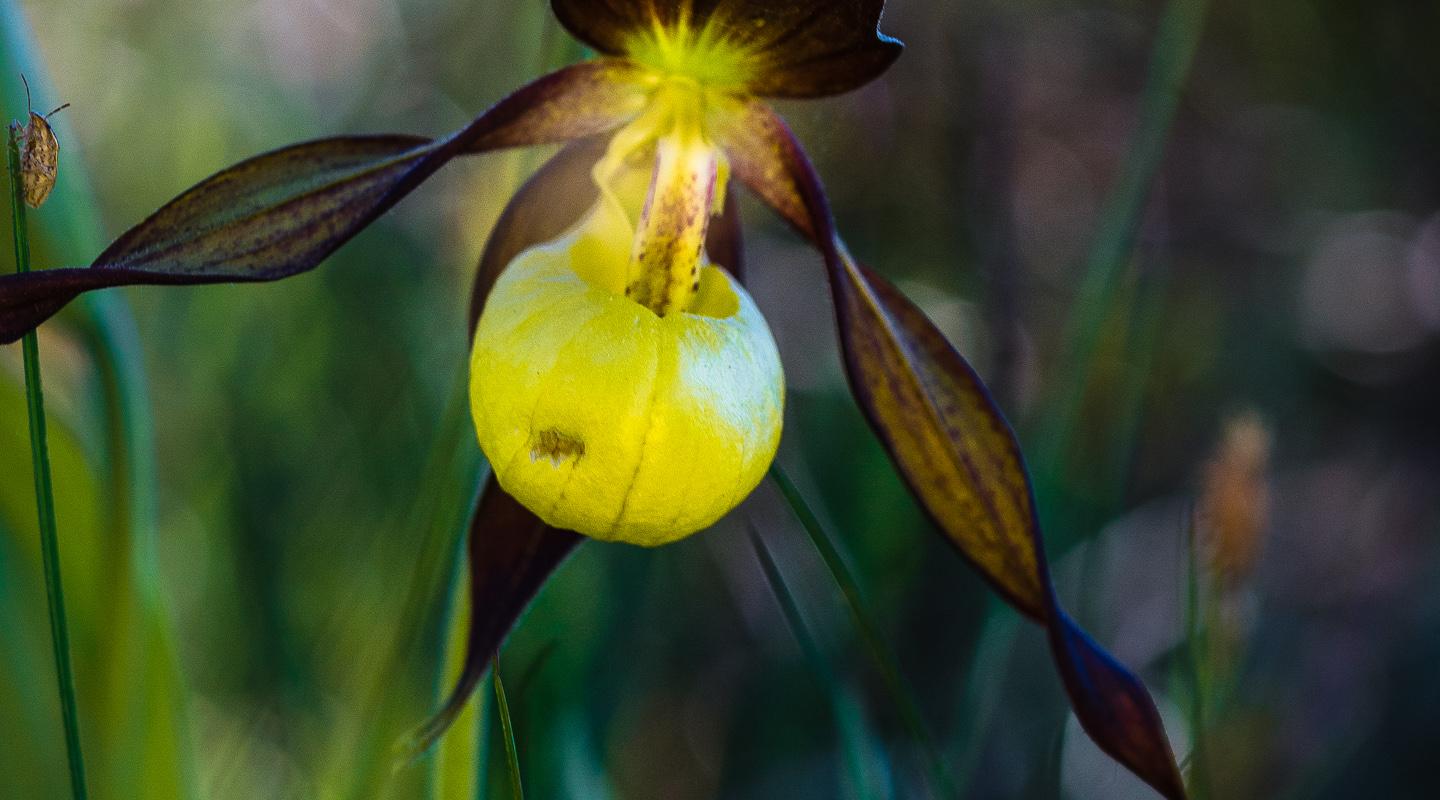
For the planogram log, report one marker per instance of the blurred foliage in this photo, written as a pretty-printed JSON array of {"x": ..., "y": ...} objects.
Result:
[{"x": 278, "y": 618}]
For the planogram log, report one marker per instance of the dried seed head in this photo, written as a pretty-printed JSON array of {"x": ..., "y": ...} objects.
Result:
[
  {"x": 1235, "y": 497},
  {"x": 39, "y": 153}
]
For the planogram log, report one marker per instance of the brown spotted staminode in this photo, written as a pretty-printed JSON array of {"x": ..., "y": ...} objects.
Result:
[{"x": 39, "y": 153}]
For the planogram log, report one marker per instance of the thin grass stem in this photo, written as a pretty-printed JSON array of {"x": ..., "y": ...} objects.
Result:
[
  {"x": 507, "y": 732},
  {"x": 981, "y": 701},
  {"x": 1173, "y": 55},
  {"x": 45, "y": 496},
  {"x": 865, "y": 624},
  {"x": 1194, "y": 653},
  {"x": 818, "y": 663}
]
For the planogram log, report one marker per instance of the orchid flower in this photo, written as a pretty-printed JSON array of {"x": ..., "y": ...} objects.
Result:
[{"x": 623, "y": 384}]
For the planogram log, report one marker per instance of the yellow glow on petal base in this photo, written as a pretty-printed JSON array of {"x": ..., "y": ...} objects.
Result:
[
  {"x": 706, "y": 55},
  {"x": 604, "y": 418}
]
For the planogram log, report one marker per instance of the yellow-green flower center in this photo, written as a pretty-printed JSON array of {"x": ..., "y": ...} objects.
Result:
[{"x": 705, "y": 55}]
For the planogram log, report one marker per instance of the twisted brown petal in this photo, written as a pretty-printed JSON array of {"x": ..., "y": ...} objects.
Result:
[
  {"x": 795, "y": 48},
  {"x": 284, "y": 212},
  {"x": 953, "y": 447}
]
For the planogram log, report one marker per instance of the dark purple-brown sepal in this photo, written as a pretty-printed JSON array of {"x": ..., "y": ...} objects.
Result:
[
  {"x": 792, "y": 48},
  {"x": 511, "y": 554}
]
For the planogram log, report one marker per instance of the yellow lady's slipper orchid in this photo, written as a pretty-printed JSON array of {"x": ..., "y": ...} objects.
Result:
[
  {"x": 625, "y": 420},
  {"x": 622, "y": 385}
]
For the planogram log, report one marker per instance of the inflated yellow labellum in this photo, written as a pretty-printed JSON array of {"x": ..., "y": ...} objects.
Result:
[
  {"x": 39, "y": 154},
  {"x": 604, "y": 418}
]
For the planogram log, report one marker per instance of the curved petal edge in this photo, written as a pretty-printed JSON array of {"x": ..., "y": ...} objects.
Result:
[
  {"x": 954, "y": 449},
  {"x": 284, "y": 212}
]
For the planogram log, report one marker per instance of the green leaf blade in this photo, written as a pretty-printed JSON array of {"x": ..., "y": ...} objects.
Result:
[{"x": 507, "y": 733}]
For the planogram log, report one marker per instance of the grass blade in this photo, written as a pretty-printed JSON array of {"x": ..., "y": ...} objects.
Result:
[
  {"x": 956, "y": 452},
  {"x": 818, "y": 663},
  {"x": 45, "y": 497},
  {"x": 507, "y": 731},
  {"x": 134, "y": 701},
  {"x": 450, "y": 471},
  {"x": 983, "y": 690},
  {"x": 865, "y": 624},
  {"x": 1170, "y": 63},
  {"x": 1194, "y": 653},
  {"x": 459, "y": 765}
]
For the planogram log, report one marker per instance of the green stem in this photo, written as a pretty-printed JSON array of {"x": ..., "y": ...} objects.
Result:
[
  {"x": 1170, "y": 64},
  {"x": 981, "y": 700},
  {"x": 885, "y": 660},
  {"x": 45, "y": 496},
  {"x": 811, "y": 650},
  {"x": 1199, "y": 778},
  {"x": 507, "y": 731}
]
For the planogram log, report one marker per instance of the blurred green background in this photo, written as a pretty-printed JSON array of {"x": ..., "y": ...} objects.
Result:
[{"x": 261, "y": 489}]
